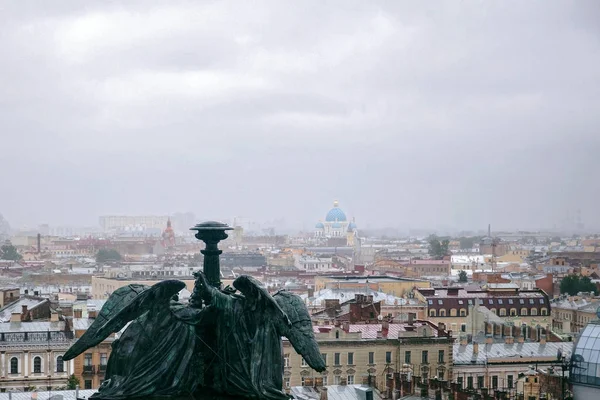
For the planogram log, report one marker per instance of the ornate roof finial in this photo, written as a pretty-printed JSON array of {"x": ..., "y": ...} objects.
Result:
[{"x": 336, "y": 203}]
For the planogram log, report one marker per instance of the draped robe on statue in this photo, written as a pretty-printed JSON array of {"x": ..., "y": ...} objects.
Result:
[{"x": 247, "y": 353}]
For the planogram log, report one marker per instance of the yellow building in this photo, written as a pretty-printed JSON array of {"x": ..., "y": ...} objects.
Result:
[
  {"x": 102, "y": 287},
  {"x": 387, "y": 284},
  {"x": 356, "y": 353}
]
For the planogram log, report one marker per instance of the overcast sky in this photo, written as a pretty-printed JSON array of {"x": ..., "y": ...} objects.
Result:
[{"x": 411, "y": 114}]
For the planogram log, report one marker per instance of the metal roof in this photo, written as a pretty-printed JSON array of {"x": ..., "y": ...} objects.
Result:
[
  {"x": 496, "y": 352},
  {"x": 36, "y": 326},
  {"x": 66, "y": 395}
]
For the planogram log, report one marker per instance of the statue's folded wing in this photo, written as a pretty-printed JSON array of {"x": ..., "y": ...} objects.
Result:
[
  {"x": 124, "y": 304},
  {"x": 300, "y": 333}
]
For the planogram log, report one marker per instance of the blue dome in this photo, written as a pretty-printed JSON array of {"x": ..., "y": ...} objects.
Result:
[
  {"x": 336, "y": 225},
  {"x": 319, "y": 225},
  {"x": 335, "y": 214},
  {"x": 352, "y": 226}
]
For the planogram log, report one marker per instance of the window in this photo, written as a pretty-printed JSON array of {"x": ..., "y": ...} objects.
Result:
[
  {"x": 324, "y": 381},
  {"x": 510, "y": 301},
  {"x": 286, "y": 360},
  {"x": 509, "y": 380},
  {"x": 407, "y": 357},
  {"x": 60, "y": 365},
  {"x": 388, "y": 357},
  {"x": 337, "y": 334},
  {"x": 463, "y": 327},
  {"x": 302, "y": 381},
  {"x": 286, "y": 382},
  {"x": 470, "y": 302},
  {"x": 491, "y": 301},
  {"x": 524, "y": 311},
  {"x": 442, "y": 313},
  {"x": 459, "y": 382},
  {"x": 337, "y": 380},
  {"x": 544, "y": 311},
  {"x": 87, "y": 384},
  {"x": 461, "y": 302},
  {"x": 304, "y": 363},
  {"x": 500, "y": 301},
  {"x": 87, "y": 360},
  {"x": 103, "y": 359},
  {"x": 37, "y": 365},
  {"x": 503, "y": 312},
  {"x": 522, "y": 301},
  {"x": 531, "y": 301},
  {"x": 440, "y": 356},
  {"x": 541, "y": 301},
  {"x": 336, "y": 359},
  {"x": 463, "y": 312},
  {"x": 441, "y": 374},
  {"x": 469, "y": 382},
  {"x": 432, "y": 313},
  {"x": 425, "y": 357},
  {"x": 371, "y": 357},
  {"x": 534, "y": 311},
  {"x": 430, "y": 302},
  {"x": 480, "y": 381},
  {"x": 14, "y": 365},
  {"x": 440, "y": 302},
  {"x": 350, "y": 380},
  {"x": 350, "y": 358},
  {"x": 495, "y": 382}
]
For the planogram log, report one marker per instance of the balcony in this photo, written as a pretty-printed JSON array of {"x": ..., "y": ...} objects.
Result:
[
  {"x": 102, "y": 369},
  {"x": 89, "y": 369}
]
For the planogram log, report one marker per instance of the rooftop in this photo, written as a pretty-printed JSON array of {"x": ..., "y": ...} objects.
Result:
[{"x": 515, "y": 352}]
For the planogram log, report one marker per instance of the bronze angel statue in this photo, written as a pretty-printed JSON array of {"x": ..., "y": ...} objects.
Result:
[{"x": 223, "y": 344}]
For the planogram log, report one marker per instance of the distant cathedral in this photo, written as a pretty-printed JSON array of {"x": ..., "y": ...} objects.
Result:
[{"x": 336, "y": 230}]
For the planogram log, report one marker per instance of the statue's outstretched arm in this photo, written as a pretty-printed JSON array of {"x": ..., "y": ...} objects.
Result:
[{"x": 210, "y": 294}]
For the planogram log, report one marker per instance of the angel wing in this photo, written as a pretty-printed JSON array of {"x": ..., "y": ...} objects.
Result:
[
  {"x": 124, "y": 304},
  {"x": 300, "y": 333}
]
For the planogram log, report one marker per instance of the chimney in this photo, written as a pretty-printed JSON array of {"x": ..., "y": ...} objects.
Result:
[
  {"x": 463, "y": 340},
  {"x": 24, "y": 309},
  {"x": 54, "y": 317},
  {"x": 521, "y": 339},
  {"x": 39, "y": 243},
  {"x": 15, "y": 317},
  {"x": 77, "y": 313},
  {"x": 475, "y": 348},
  {"x": 542, "y": 339},
  {"x": 489, "y": 339},
  {"x": 92, "y": 313},
  {"x": 323, "y": 394},
  {"x": 509, "y": 340},
  {"x": 318, "y": 382}
]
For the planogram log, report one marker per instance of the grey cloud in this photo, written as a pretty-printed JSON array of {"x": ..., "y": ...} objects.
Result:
[{"x": 433, "y": 115}]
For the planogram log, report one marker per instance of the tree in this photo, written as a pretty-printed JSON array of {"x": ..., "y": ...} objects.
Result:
[
  {"x": 9, "y": 252},
  {"x": 462, "y": 276},
  {"x": 107, "y": 255},
  {"x": 466, "y": 243},
  {"x": 72, "y": 382},
  {"x": 573, "y": 284},
  {"x": 438, "y": 249}
]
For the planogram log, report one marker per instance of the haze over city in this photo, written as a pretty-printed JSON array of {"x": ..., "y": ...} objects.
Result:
[{"x": 440, "y": 115}]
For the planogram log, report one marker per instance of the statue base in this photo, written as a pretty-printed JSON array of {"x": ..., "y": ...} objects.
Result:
[{"x": 201, "y": 394}]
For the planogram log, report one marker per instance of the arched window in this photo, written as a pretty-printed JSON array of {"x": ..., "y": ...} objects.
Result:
[
  {"x": 37, "y": 365},
  {"x": 463, "y": 312},
  {"x": 513, "y": 312},
  {"x": 442, "y": 313},
  {"x": 432, "y": 313},
  {"x": 503, "y": 312},
  {"x": 544, "y": 311},
  {"x": 534, "y": 311},
  {"x": 60, "y": 365},
  {"x": 524, "y": 312},
  {"x": 493, "y": 310},
  {"x": 337, "y": 334},
  {"x": 453, "y": 312},
  {"x": 14, "y": 365}
]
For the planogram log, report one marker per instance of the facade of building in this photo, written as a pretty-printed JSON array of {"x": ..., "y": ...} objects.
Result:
[
  {"x": 363, "y": 353},
  {"x": 387, "y": 284},
  {"x": 570, "y": 314},
  {"x": 452, "y": 305},
  {"x": 129, "y": 222},
  {"x": 31, "y": 354}
]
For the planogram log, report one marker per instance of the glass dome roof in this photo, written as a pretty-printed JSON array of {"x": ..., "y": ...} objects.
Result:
[{"x": 586, "y": 356}]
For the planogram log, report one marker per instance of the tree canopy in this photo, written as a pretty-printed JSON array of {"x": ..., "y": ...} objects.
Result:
[
  {"x": 573, "y": 284},
  {"x": 9, "y": 252},
  {"x": 462, "y": 276},
  {"x": 72, "y": 382},
  {"x": 438, "y": 249},
  {"x": 107, "y": 255}
]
